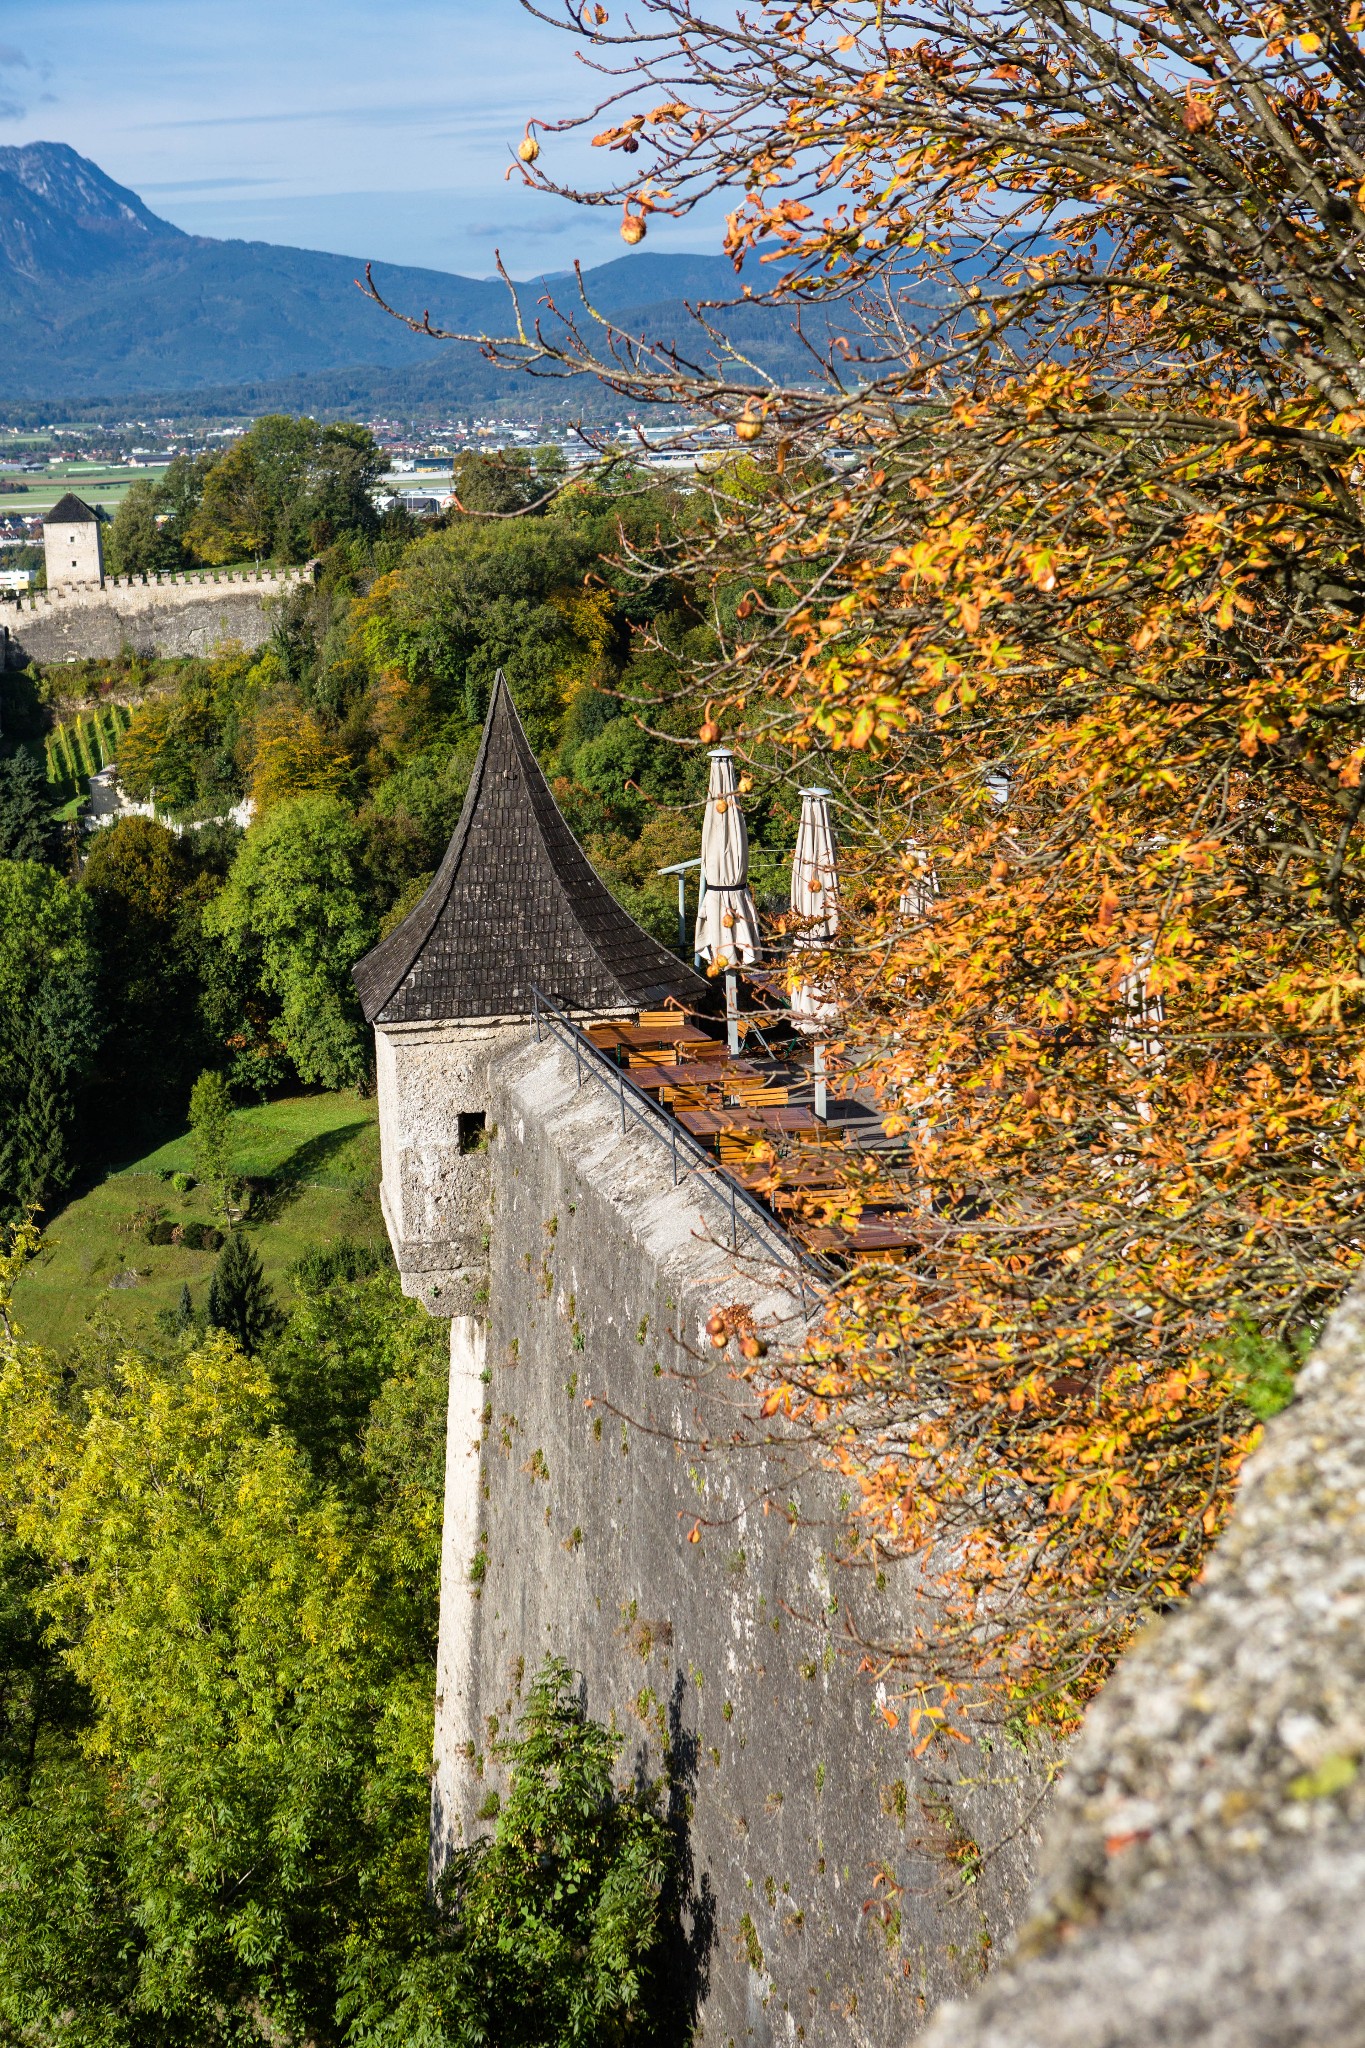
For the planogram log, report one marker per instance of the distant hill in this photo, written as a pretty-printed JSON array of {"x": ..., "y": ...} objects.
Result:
[{"x": 99, "y": 298}]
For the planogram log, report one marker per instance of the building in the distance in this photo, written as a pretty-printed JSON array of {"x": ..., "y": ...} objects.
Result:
[{"x": 72, "y": 545}]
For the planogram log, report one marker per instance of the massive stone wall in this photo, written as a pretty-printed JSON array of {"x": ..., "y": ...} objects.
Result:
[
  {"x": 836, "y": 1886},
  {"x": 170, "y": 615},
  {"x": 1203, "y": 1878}
]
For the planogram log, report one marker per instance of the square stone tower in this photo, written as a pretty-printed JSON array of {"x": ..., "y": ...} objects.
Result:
[{"x": 72, "y": 545}]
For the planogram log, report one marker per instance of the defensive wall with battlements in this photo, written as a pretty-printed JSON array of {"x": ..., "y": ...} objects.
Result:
[{"x": 167, "y": 614}]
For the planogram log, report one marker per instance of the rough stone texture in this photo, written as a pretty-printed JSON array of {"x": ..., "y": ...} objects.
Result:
[
  {"x": 433, "y": 1188},
  {"x": 516, "y": 905},
  {"x": 1202, "y": 1883},
  {"x": 156, "y": 617},
  {"x": 825, "y": 1900}
]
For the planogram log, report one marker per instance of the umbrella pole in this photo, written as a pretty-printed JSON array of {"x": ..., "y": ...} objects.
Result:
[
  {"x": 732, "y": 1011},
  {"x": 821, "y": 1088}
]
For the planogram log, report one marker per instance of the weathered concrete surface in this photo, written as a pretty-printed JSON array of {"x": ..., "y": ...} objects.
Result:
[
  {"x": 825, "y": 1899},
  {"x": 1202, "y": 1883},
  {"x": 158, "y": 617}
]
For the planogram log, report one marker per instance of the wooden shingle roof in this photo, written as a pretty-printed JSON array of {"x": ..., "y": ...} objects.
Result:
[
  {"x": 70, "y": 511},
  {"x": 516, "y": 904}
]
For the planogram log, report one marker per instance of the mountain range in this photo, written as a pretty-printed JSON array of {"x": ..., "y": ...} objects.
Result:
[{"x": 102, "y": 299}]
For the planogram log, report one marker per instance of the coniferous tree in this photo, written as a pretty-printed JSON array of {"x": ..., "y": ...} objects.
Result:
[
  {"x": 48, "y": 1029},
  {"x": 33, "y": 1161},
  {"x": 240, "y": 1302},
  {"x": 26, "y": 830}
]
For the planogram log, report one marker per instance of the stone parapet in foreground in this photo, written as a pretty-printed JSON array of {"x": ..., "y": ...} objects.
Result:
[{"x": 1202, "y": 1877}]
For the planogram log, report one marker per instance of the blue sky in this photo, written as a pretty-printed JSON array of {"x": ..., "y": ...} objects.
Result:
[{"x": 377, "y": 128}]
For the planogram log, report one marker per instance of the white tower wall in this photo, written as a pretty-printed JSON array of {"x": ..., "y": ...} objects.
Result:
[{"x": 74, "y": 554}]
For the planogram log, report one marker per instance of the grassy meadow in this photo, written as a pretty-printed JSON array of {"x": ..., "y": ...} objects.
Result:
[{"x": 313, "y": 1165}]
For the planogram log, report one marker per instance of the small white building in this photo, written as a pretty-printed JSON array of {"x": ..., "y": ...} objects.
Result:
[
  {"x": 17, "y": 579},
  {"x": 73, "y": 546}
]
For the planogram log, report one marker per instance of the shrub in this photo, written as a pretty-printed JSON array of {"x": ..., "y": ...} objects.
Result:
[
  {"x": 211, "y": 1128},
  {"x": 182, "y": 1182},
  {"x": 322, "y": 1265},
  {"x": 201, "y": 1237},
  {"x": 162, "y": 1231}
]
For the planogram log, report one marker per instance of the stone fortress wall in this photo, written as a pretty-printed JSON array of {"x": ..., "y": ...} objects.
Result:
[
  {"x": 613, "y": 1495},
  {"x": 170, "y": 614},
  {"x": 836, "y": 1886}
]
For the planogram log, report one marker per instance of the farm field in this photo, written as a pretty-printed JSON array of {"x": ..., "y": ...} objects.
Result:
[
  {"x": 314, "y": 1164},
  {"x": 98, "y": 484}
]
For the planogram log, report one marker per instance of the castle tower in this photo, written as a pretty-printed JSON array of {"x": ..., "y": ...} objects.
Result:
[
  {"x": 72, "y": 546},
  {"x": 515, "y": 905}
]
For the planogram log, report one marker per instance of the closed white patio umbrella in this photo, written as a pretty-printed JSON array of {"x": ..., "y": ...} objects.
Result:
[
  {"x": 814, "y": 899},
  {"x": 921, "y": 888},
  {"x": 727, "y": 922}
]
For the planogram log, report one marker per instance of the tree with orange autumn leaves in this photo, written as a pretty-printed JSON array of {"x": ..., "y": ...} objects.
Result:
[{"x": 1054, "y": 570}]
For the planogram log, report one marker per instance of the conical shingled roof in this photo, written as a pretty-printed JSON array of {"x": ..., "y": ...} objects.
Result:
[
  {"x": 70, "y": 511},
  {"x": 516, "y": 904}
]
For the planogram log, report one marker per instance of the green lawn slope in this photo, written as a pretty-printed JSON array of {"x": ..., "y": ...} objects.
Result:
[{"x": 313, "y": 1161}]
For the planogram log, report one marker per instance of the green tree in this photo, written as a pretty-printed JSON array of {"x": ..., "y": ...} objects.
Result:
[
  {"x": 240, "y": 1301},
  {"x": 288, "y": 487},
  {"x": 552, "y": 1929},
  {"x": 501, "y": 482},
  {"x": 26, "y": 830},
  {"x": 235, "y": 517},
  {"x": 49, "y": 1029},
  {"x": 227, "y": 1794},
  {"x": 296, "y": 900},
  {"x": 178, "y": 494},
  {"x": 211, "y": 1133},
  {"x": 147, "y": 887},
  {"x": 140, "y": 538}
]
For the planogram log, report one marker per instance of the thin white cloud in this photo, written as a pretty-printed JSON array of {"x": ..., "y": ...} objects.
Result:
[{"x": 205, "y": 184}]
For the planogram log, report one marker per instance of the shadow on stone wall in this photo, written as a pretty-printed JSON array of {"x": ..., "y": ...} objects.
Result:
[{"x": 689, "y": 1906}]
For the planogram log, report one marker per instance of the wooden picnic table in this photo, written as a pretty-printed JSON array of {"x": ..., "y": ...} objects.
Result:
[
  {"x": 689, "y": 1074},
  {"x": 611, "y": 1037},
  {"x": 745, "y": 1118}
]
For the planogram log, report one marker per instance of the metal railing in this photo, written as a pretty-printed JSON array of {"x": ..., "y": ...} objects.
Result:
[{"x": 744, "y": 1213}]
